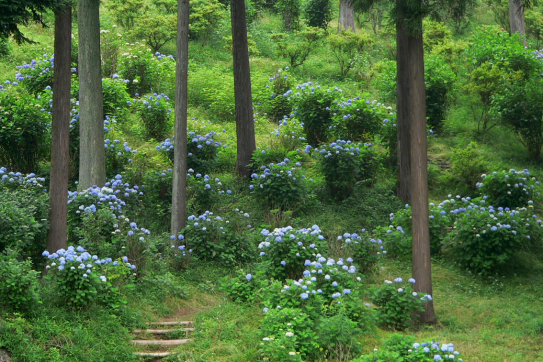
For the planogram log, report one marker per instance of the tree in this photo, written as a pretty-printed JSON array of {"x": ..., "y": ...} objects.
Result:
[
  {"x": 23, "y": 12},
  {"x": 516, "y": 18},
  {"x": 60, "y": 142},
  {"x": 346, "y": 16},
  {"x": 92, "y": 164},
  {"x": 245, "y": 128},
  {"x": 179, "y": 191},
  {"x": 156, "y": 29}
]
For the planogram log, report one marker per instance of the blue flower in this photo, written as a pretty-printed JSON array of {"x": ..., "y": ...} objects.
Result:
[
  {"x": 248, "y": 277},
  {"x": 304, "y": 295}
]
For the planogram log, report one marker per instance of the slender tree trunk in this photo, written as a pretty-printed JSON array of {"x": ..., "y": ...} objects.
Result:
[
  {"x": 179, "y": 192},
  {"x": 346, "y": 16},
  {"x": 403, "y": 113},
  {"x": 422, "y": 271},
  {"x": 245, "y": 128},
  {"x": 92, "y": 164},
  {"x": 60, "y": 142},
  {"x": 516, "y": 18}
]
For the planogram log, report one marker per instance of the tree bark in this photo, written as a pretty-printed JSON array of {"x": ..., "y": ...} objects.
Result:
[
  {"x": 245, "y": 128},
  {"x": 60, "y": 143},
  {"x": 346, "y": 16},
  {"x": 516, "y": 18},
  {"x": 403, "y": 113},
  {"x": 92, "y": 164},
  {"x": 422, "y": 271},
  {"x": 179, "y": 192}
]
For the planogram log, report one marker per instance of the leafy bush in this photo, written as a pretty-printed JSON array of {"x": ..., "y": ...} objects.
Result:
[
  {"x": 290, "y": 11},
  {"x": 284, "y": 251},
  {"x": 24, "y": 131},
  {"x": 140, "y": 68},
  {"x": 202, "y": 150},
  {"x": 439, "y": 79},
  {"x": 278, "y": 105},
  {"x": 509, "y": 188},
  {"x": 213, "y": 238},
  {"x": 396, "y": 242},
  {"x": 297, "y": 46},
  {"x": 467, "y": 166},
  {"x": 271, "y": 155},
  {"x": 365, "y": 252},
  {"x": 244, "y": 287},
  {"x": 347, "y": 48},
  {"x": 318, "y": 13},
  {"x": 358, "y": 119},
  {"x": 18, "y": 283},
  {"x": 205, "y": 18},
  {"x": 344, "y": 163},
  {"x": 312, "y": 107},
  {"x": 155, "y": 111},
  {"x": 396, "y": 306},
  {"x": 5, "y": 47},
  {"x": 280, "y": 186},
  {"x": 290, "y": 134},
  {"x": 81, "y": 285},
  {"x": 116, "y": 98},
  {"x": 117, "y": 156},
  {"x": 37, "y": 75},
  {"x": 486, "y": 238}
]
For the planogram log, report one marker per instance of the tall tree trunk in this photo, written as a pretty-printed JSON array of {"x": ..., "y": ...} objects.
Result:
[
  {"x": 92, "y": 164},
  {"x": 346, "y": 16},
  {"x": 422, "y": 271},
  {"x": 245, "y": 128},
  {"x": 403, "y": 113},
  {"x": 60, "y": 142},
  {"x": 516, "y": 18},
  {"x": 179, "y": 192}
]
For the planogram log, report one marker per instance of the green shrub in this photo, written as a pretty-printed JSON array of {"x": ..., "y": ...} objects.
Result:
[
  {"x": 467, "y": 166},
  {"x": 486, "y": 238},
  {"x": 141, "y": 69},
  {"x": 116, "y": 98},
  {"x": 205, "y": 18},
  {"x": 213, "y": 238},
  {"x": 358, "y": 119},
  {"x": 244, "y": 287},
  {"x": 397, "y": 302},
  {"x": 18, "y": 283},
  {"x": 155, "y": 113},
  {"x": 318, "y": 13},
  {"x": 343, "y": 164},
  {"x": 347, "y": 48},
  {"x": 396, "y": 242},
  {"x": 439, "y": 79},
  {"x": 81, "y": 285},
  {"x": 24, "y": 131},
  {"x": 118, "y": 157},
  {"x": 284, "y": 251},
  {"x": 313, "y": 108},
  {"x": 36, "y": 76},
  {"x": 271, "y": 155},
  {"x": 278, "y": 105},
  {"x": 5, "y": 47},
  {"x": 280, "y": 186},
  {"x": 290, "y": 135},
  {"x": 290, "y": 11},
  {"x": 509, "y": 188},
  {"x": 297, "y": 46},
  {"x": 384, "y": 80},
  {"x": 366, "y": 252}
]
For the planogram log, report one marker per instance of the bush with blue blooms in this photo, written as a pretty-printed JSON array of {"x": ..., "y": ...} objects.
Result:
[
  {"x": 397, "y": 302},
  {"x": 278, "y": 105},
  {"x": 290, "y": 134},
  {"x": 366, "y": 251},
  {"x": 37, "y": 75},
  {"x": 155, "y": 114},
  {"x": 284, "y": 250},
  {"x": 344, "y": 163},
  {"x": 280, "y": 185},
  {"x": 509, "y": 188},
  {"x": 117, "y": 156},
  {"x": 82, "y": 279}
]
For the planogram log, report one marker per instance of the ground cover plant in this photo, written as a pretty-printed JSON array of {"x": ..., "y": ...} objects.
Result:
[{"x": 309, "y": 258}]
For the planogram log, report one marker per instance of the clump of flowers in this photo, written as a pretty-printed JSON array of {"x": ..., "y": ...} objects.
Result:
[
  {"x": 365, "y": 251},
  {"x": 154, "y": 111},
  {"x": 17, "y": 180},
  {"x": 509, "y": 188},
  {"x": 290, "y": 133},
  {"x": 396, "y": 302},
  {"x": 280, "y": 185},
  {"x": 203, "y": 191},
  {"x": 284, "y": 250},
  {"x": 117, "y": 156},
  {"x": 82, "y": 279},
  {"x": 278, "y": 106},
  {"x": 344, "y": 163}
]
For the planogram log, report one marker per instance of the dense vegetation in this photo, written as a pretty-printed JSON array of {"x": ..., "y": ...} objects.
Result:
[{"x": 310, "y": 258}]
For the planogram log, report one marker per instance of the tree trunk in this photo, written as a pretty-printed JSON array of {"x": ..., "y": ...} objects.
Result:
[
  {"x": 416, "y": 98},
  {"x": 516, "y": 18},
  {"x": 245, "y": 128},
  {"x": 346, "y": 16},
  {"x": 60, "y": 142},
  {"x": 403, "y": 112},
  {"x": 179, "y": 192},
  {"x": 92, "y": 164}
]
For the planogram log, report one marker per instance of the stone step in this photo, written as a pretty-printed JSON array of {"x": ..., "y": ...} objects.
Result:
[
  {"x": 161, "y": 342},
  {"x": 163, "y": 331},
  {"x": 154, "y": 354},
  {"x": 171, "y": 323}
]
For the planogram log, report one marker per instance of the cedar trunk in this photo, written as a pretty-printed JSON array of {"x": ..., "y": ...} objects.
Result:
[
  {"x": 92, "y": 164},
  {"x": 179, "y": 192},
  {"x": 346, "y": 16},
  {"x": 516, "y": 18},
  {"x": 245, "y": 128},
  {"x": 422, "y": 271},
  {"x": 403, "y": 113},
  {"x": 60, "y": 142}
]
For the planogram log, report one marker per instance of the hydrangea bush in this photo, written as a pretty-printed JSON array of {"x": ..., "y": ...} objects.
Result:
[
  {"x": 154, "y": 111},
  {"x": 290, "y": 134},
  {"x": 509, "y": 188},
  {"x": 278, "y": 105},
  {"x": 366, "y": 252}
]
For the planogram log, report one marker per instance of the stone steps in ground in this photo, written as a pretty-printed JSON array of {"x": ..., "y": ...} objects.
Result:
[{"x": 156, "y": 343}]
